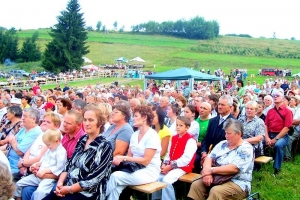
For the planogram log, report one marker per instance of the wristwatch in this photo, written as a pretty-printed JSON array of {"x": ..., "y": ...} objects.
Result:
[
  {"x": 70, "y": 190},
  {"x": 211, "y": 170},
  {"x": 276, "y": 138}
]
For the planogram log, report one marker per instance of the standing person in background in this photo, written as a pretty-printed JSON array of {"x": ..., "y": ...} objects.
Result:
[
  {"x": 241, "y": 88},
  {"x": 186, "y": 90},
  {"x": 277, "y": 129}
]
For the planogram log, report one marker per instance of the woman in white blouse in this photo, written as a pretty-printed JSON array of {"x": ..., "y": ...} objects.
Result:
[{"x": 144, "y": 149}]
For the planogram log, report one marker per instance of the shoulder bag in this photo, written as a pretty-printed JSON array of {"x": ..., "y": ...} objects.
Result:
[{"x": 291, "y": 129}]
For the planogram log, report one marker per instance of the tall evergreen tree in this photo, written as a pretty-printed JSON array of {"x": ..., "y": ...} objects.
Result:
[
  {"x": 8, "y": 45},
  {"x": 67, "y": 47}
]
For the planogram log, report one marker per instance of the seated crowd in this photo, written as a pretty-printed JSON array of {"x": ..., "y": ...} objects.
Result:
[{"x": 93, "y": 143}]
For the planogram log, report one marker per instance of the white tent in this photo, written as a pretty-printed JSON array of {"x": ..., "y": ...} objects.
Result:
[
  {"x": 86, "y": 60},
  {"x": 90, "y": 67},
  {"x": 137, "y": 59}
]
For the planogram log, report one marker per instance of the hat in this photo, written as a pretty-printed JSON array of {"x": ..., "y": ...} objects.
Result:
[
  {"x": 15, "y": 101},
  {"x": 48, "y": 105}
]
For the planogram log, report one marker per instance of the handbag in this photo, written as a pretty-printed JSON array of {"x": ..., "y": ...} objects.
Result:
[
  {"x": 291, "y": 129},
  {"x": 220, "y": 179},
  {"x": 128, "y": 167}
]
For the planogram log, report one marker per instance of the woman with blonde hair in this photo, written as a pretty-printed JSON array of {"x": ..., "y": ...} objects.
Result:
[{"x": 107, "y": 110}]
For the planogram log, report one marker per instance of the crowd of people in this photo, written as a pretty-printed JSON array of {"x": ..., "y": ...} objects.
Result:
[{"x": 91, "y": 143}]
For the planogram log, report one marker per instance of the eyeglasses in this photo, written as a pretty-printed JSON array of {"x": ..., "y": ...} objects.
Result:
[{"x": 275, "y": 95}]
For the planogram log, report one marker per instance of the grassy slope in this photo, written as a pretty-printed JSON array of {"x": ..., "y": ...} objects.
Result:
[{"x": 168, "y": 53}]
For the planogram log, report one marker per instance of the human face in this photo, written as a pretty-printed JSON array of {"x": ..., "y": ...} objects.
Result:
[
  {"x": 52, "y": 145},
  {"x": 181, "y": 128},
  {"x": 179, "y": 103},
  {"x": 70, "y": 126},
  {"x": 292, "y": 103},
  {"x": 267, "y": 101},
  {"x": 47, "y": 123},
  {"x": 27, "y": 120},
  {"x": 39, "y": 102},
  {"x": 277, "y": 98},
  {"x": 163, "y": 102},
  {"x": 138, "y": 120},
  {"x": 250, "y": 111},
  {"x": 155, "y": 119},
  {"x": 197, "y": 101},
  {"x": 223, "y": 107},
  {"x": 204, "y": 110},
  {"x": 231, "y": 137},
  {"x": 117, "y": 116},
  {"x": 9, "y": 115},
  {"x": 246, "y": 99},
  {"x": 90, "y": 123},
  {"x": 1, "y": 104},
  {"x": 260, "y": 108},
  {"x": 188, "y": 113}
]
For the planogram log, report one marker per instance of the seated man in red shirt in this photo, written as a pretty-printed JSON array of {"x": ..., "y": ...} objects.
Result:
[{"x": 278, "y": 121}]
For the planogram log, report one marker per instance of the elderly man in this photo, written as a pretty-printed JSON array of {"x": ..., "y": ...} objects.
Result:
[
  {"x": 22, "y": 141},
  {"x": 215, "y": 126},
  {"x": 148, "y": 96},
  {"x": 203, "y": 120},
  {"x": 3, "y": 109},
  {"x": 278, "y": 121},
  {"x": 73, "y": 131},
  {"x": 164, "y": 103},
  {"x": 268, "y": 100},
  {"x": 79, "y": 105}
]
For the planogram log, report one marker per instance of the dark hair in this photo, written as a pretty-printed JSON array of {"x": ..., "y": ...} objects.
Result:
[
  {"x": 145, "y": 111},
  {"x": 27, "y": 98},
  {"x": 241, "y": 82},
  {"x": 66, "y": 103},
  {"x": 15, "y": 110},
  {"x": 52, "y": 97},
  {"x": 160, "y": 114},
  {"x": 51, "y": 90},
  {"x": 42, "y": 98},
  {"x": 18, "y": 95},
  {"x": 214, "y": 98},
  {"x": 182, "y": 99},
  {"x": 175, "y": 108},
  {"x": 193, "y": 110},
  {"x": 80, "y": 95},
  {"x": 185, "y": 120},
  {"x": 123, "y": 97},
  {"x": 124, "y": 109}
]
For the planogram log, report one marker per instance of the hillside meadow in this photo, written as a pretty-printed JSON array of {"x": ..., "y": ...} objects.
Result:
[{"x": 166, "y": 53}]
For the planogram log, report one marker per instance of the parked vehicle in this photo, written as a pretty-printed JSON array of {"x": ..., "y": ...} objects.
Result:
[
  {"x": 4, "y": 75},
  {"x": 18, "y": 73},
  {"x": 268, "y": 72}
]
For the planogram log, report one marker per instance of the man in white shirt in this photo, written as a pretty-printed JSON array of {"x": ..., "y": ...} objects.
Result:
[{"x": 277, "y": 88}]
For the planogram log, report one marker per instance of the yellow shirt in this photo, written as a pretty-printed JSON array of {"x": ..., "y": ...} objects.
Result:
[
  {"x": 163, "y": 133},
  {"x": 27, "y": 106}
]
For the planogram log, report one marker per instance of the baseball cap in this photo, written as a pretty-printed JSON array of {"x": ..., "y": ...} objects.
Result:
[{"x": 48, "y": 105}]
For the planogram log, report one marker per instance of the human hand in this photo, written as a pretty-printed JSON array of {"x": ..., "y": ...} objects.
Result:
[
  {"x": 116, "y": 161},
  {"x": 268, "y": 141},
  {"x": 57, "y": 189},
  {"x": 273, "y": 141},
  {"x": 207, "y": 180},
  {"x": 40, "y": 173},
  {"x": 11, "y": 139},
  {"x": 166, "y": 169},
  {"x": 20, "y": 163},
  {"x": 205, "y": 172},
  {"x": 23, "y": 170}
]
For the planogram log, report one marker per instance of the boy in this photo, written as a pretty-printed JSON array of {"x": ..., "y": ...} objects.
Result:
[
  {"x": 52, "y": 163},
  {"x": 179, "y": 160}
]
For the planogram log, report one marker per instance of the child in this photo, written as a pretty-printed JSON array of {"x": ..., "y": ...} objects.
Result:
[
  {"x": 51, "y": 164},
  {"x": 179, "y": 160}
]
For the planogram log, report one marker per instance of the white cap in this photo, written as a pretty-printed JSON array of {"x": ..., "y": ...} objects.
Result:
[{"x": 15, "y": 101}]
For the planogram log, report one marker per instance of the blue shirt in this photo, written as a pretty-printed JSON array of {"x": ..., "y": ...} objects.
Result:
[{"x": 25, "y": 140}]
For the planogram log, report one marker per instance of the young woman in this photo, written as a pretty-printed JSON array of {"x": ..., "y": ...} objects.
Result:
[{"x": 191, "y": 113}]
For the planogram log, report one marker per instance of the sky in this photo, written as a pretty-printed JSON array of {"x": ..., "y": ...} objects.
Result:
[{"x": 258, "y": 18}]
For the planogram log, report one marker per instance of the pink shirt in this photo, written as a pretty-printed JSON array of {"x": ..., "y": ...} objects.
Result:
[{"x": 70, "y": 144}]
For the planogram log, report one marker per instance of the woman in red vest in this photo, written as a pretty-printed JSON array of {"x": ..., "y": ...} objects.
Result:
[{"x": 179, "y": 160}]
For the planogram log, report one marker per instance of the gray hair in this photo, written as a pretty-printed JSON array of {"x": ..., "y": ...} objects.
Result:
[
  {"x": 79, "y": 104},
  {"x": 15, "y": 110},
  {"x": 123, "y": 102},
  {"x": 33, "y": 113},
  {"x": 235, "y": 125},
  {"x": 252, "y": 103},
  {"x": 229, "y": 99}
]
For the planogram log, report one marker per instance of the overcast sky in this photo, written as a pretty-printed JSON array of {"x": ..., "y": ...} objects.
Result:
[{"x": 256, "y": 17}]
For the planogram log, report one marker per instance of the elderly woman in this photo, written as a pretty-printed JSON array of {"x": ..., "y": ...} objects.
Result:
[
  {"x": 144, "y": 149},
  {"x": 87, "y": 172},
  {"x": 120, "y": 132},
  {"x": 234, "y": 157},
  {"x": 13, "y": 124},
  {"x": 173, "y": 112},
  {"x": 19, "y": 144},
  {"x": 254, "y": 128},
  {"x": 162, "y": 130}
]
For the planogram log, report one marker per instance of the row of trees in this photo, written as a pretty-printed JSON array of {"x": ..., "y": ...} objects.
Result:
[
  {"x": 9, "y": 47},
  {"x": 195, "y": 28}
]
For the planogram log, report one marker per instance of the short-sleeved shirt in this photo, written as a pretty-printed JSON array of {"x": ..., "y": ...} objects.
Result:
[
  {"x": 252, "y": 129},
  {"x": 24, "y": 140},
  {"x": 3, "y": 159},
  {"x": 275, "y": 123},
  {"x": 194, "y": 130},
  {"x": 164, "y": 133},
  {"x": 54, "y": 160},
  {"x": 242, "y": 157},
  {"x": 124, "y": 133},
  {"x": 36, "y": 147},
  {"x": 203, "y": 124},
  {"x": 150, "y": 140},
  {"x": 70, "y": 143}
]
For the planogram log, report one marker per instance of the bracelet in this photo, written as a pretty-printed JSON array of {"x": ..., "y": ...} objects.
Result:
[{"x": 70, "y": 190}]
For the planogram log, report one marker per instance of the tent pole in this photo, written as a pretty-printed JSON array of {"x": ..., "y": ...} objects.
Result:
[{"x": 145, "y": 84}]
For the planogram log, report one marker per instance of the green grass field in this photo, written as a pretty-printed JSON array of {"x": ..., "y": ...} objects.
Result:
[{"x": 169, "y": 53}]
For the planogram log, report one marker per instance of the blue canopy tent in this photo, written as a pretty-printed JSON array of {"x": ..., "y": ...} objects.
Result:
[{"x": 182, "y": 74}]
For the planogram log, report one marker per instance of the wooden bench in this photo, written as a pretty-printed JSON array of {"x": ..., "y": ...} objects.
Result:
[
  {"x": 189, "y": 178},
  {"x": 148, "y": 188},
  {"x": 263, "y": 159}
]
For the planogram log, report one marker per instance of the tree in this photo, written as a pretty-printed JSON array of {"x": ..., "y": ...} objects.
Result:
[
  {"x": 89, "y": 28},
  {"x": 30, "y": 50},
  {"x": 8, "y": 44},
  {"x": 98, "y": 26},
  {"x": 116, "y": 25},
  {"x": 104, "y": 28},
  {"x": 67, "y": 47},
  {"x": 122, "y": 29}
]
